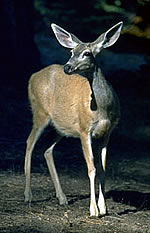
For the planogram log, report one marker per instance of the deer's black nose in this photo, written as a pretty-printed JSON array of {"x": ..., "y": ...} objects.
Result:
[{"x": 67, "y": 69}]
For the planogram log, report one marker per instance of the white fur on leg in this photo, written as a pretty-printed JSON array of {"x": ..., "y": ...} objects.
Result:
[
  {"x": 93, "y": 206},
  {"x": 103, "y": 156},
  {"x": 101, "y": 202}
]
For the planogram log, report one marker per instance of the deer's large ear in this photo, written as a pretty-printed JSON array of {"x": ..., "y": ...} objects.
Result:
[
  {"x": 65, "y": 38},
  {"x": 108, "y": 38}
]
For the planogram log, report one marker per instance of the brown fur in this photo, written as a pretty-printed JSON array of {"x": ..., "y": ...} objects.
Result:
[{"x": 63, "y": 100}]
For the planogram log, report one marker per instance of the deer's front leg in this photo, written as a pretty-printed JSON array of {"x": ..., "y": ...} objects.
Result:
[{"x": 87, "y": 150}]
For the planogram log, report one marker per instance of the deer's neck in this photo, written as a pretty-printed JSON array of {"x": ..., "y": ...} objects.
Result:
[
  {"x": 89, "y": 75},
  {"x": 99, "y": 83},
  {"x": 101, "y": 92}
]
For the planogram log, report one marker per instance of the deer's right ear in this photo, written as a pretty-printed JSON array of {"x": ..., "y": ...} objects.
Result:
[{"x": 65, "y": 38}]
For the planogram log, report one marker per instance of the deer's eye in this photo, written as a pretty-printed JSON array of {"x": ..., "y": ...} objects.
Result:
[{"x": 86, "y": 54}]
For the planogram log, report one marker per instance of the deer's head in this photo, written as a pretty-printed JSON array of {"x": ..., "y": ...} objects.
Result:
[{"x": 83, "y": 54}]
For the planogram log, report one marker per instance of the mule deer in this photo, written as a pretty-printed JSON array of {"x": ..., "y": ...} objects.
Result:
[{"x": 77, "y": 100}]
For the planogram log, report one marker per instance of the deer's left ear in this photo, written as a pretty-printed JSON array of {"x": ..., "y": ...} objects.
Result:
[{"x": 108, "y": 38}]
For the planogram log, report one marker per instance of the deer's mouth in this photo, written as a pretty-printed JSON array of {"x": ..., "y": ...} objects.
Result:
[{"x": 68, "y": 69}]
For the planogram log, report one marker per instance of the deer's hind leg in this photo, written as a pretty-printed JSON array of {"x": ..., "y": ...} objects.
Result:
[
  {"x": 39, "y": 123},
  {"x": 52, "y": 170}
]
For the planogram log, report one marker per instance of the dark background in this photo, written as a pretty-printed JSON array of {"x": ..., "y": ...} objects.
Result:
[{"x": 27, "y": 44}]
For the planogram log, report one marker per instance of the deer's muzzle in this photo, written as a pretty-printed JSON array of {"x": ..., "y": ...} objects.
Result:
[{"x": 67, "y": 69}]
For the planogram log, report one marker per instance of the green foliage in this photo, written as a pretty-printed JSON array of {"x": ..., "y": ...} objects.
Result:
[{"x": 102, "y": 4}]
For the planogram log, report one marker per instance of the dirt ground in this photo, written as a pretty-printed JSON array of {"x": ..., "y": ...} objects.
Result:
[{"x": 127, "y": 197}]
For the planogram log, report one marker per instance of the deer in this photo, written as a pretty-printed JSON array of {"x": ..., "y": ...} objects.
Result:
[{"x": 77, "y": 101}]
